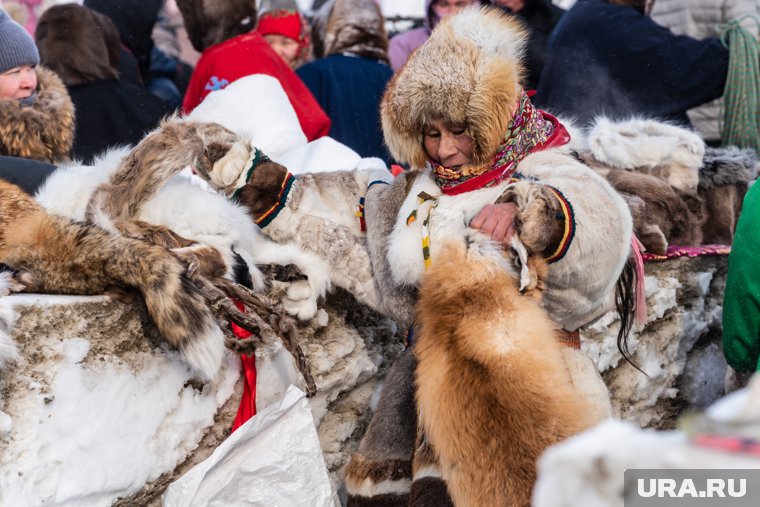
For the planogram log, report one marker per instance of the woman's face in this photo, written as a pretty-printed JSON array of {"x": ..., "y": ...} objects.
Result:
[
  {"x": 443, "y": 8},
  {"x": 286, "y": 47},
  {"x": 18, "y": 82},
  {"x": 448, "y": 144}
]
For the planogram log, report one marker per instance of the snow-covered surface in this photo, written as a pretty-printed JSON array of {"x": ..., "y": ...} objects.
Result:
[
  {"x": 678, "y": 347},
  {"x": 84, "y": 428},
  {"x": 260, "y": 463}
]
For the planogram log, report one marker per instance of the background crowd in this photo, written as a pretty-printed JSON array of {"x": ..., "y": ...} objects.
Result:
[{"x": 77, "y": 78}]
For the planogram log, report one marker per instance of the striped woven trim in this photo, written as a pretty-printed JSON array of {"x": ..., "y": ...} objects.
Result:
[
  {"x": 267, "y": 217},
  {"x": 360, "y": 212},
  {"x": 258, "y": 158},
  {"x": 571, "y": 339},
  {"x": 570, "y": 225}
]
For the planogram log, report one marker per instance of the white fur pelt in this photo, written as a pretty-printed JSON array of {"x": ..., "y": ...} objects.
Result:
[
  {"x": 320, "y": 217},
  {"x": 8, "y": 350},
  {"x": 182, "y": 205},
  {"x": 579, "y": 285},
  {"x": 644, "y": 144},
  {"x": 187, "y": 206}
]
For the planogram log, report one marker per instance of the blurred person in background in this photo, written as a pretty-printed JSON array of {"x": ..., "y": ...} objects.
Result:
[
  {"x": 700, "y": 19},
  {"x": 608, "y": 57},
  {"x": 134, "y": 20},
  {"x": 285, "y": 30},
  {"x": 402, "y": 45},
  {"x": 82, "y": 46},
  {"x": 349, "y": 77},
  {"x": 540, "y": 16},
  {"x": 232, "y": 49},
  {"x": 36, "y": 113}
]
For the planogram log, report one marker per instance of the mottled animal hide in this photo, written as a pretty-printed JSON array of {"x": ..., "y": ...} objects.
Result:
[
  {"x": 493, "y": 390},
  {"x": 56, "y": 256},
  {"x": 318, "y": 214},
  {"x": 174, "y": 145},
  {"x": 661, "y": 214}
]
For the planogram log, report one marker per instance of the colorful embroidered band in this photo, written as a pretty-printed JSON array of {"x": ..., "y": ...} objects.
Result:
[
  {"x": 422, "y": 198},
  {"x": 360, "y": 211},
  {"x": 258, "y": 158},
  {"x": 531, "y": 130},
  {"x": 282, "y": 198},
  {"x": 569, "y": 232}
]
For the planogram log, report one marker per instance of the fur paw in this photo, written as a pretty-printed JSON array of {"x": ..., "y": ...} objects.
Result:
[
  {"x": 299, "y": 300},
  {"x": 540, "y": 222},
  {"x": 20, "y": 281}
]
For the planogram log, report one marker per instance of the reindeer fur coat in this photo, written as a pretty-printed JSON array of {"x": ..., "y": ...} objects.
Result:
[{"x": 472, "y": 87}]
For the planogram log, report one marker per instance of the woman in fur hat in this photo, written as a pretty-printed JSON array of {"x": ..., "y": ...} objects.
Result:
[
  {"x": 36, "y": 113},
  {"x": 456, "y": 114}
]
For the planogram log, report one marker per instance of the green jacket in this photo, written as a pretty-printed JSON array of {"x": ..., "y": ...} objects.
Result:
[{"x": 741, "y": 306}]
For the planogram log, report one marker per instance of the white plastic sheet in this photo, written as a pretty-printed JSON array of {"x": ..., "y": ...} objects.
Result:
[{"x": 272, "y": 460}]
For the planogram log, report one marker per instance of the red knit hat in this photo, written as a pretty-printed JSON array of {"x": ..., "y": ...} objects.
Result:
[{"x": 286, "y": 22}]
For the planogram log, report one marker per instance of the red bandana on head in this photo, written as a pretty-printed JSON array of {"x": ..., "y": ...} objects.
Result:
[{"x": 531, "y": 130}]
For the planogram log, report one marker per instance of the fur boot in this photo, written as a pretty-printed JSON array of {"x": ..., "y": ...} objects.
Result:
[
  {"x": 492, "y": 388},
  {"x": 56, "y": 256},
  {"x": 670, "y": 153}
]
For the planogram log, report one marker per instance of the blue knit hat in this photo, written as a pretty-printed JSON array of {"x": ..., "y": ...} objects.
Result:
[{"x": 16, "y": 45}]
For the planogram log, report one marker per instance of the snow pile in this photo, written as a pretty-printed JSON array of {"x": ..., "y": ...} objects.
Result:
[
  {"x": 678, "y": 347},
  {"x": 93, "y": 410}
]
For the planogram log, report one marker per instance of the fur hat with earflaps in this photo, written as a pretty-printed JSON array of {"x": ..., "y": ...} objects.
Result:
[{"x": 468, "y": 72}]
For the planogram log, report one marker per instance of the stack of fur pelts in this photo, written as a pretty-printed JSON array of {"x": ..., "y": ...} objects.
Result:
[{"x": 679, "y": 191}]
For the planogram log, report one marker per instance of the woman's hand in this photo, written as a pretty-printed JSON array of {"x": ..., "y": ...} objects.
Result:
[{"x": 498, "y": 221}]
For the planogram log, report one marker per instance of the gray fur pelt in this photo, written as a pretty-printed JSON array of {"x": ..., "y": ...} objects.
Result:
[
  {"x": 727, "y": 166},
  {"x": 381, "y": 208}
]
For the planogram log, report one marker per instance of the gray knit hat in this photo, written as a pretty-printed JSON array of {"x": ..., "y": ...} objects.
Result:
[{"x": 16, "y": 45}]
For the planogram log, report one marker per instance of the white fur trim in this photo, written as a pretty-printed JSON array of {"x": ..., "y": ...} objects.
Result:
[
  {"x": 256, "y": 107},
  {"x": 648, "y": 143},
  {"x": 368, "y": 488}
]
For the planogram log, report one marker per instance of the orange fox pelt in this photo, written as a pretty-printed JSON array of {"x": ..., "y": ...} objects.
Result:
[{"x": 492, "y": 388}]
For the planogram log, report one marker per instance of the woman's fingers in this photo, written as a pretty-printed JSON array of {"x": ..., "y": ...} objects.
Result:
[{"x": 497, "y": 221}]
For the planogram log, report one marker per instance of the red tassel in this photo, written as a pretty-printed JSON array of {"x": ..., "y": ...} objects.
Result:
[{"x": 247, "y": 408}]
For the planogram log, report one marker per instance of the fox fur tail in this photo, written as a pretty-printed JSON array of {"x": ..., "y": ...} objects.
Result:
[{"x": 63, "y": 257}]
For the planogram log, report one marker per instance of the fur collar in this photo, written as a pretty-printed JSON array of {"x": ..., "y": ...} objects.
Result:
[
  {"x": 449, "y": 219},
  {"x": 43, "y": 131},
  {"x": 468, "y": 72}
]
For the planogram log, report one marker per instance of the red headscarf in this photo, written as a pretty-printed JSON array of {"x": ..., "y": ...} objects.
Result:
[{"x": 288, "y": 23}]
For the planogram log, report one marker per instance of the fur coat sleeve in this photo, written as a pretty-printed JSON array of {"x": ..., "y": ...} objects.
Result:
[{"x": 580, "y": 286}]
